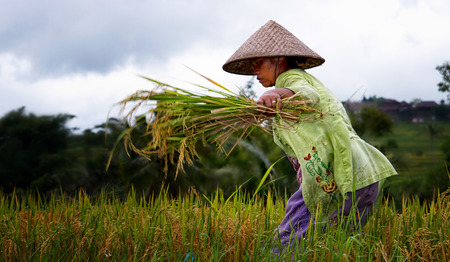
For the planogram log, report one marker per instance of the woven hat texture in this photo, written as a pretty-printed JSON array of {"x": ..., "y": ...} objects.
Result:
[{"x": 271, "y": 40}]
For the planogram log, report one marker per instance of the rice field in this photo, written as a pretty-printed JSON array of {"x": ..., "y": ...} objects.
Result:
[
  {"x": 196, "y": 227},
  {"x": 417, "y": 148},
  {"x": 210, "y": 228}
]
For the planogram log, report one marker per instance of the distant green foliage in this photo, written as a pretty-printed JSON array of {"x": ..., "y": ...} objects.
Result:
[
  {"x": 371, "y": 121},
  {"x": 56, "y": 159},
  {"x": 444, "y": 86},
  {"x": 32, "y": 150},
  {"x": 445, "y": 148},
  {"x": 41, "y": 153},
  {"x": 247, "y": 90},
  {"x": 419, "y": 159}
]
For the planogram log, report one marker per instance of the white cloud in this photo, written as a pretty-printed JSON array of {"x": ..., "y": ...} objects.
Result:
[{"x": 82, "y": 57}]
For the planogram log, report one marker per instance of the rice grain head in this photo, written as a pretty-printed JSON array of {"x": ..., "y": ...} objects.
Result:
[{"x": 175, "y": 119}]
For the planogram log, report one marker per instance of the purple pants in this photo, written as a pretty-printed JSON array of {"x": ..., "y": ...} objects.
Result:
[{"x": 297, "y": 218}]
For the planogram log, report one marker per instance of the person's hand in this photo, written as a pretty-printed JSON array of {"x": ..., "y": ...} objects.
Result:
[{"x": 272, "y": 99}]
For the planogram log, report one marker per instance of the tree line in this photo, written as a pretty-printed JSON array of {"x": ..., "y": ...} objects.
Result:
[{"x": 40, "y": 153}]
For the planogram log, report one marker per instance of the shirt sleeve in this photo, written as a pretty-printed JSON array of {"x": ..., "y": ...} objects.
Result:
[{"x": 298, "y": 84}]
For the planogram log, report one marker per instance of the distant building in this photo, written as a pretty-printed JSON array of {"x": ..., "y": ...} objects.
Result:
[
  {"x": 402, "y": 111},
  {"x": 399, "y": 111},
  {"x": 424, "y": 111}
]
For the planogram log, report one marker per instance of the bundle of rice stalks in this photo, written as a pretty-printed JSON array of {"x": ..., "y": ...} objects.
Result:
[{"x": 176, "y": 119}]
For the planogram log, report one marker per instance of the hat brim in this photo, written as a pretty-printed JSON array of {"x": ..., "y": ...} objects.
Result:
[
  {"x": 271, "y": 40},
  {"x": 245, "y": 67}
]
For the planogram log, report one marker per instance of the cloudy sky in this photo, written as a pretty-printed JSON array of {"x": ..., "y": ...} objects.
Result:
[{"x": 81, "y": 57}]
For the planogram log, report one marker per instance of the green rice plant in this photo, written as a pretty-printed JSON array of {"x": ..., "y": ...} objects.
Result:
[
  {"x": 175, "y": 119},
  {"x": 240, "y": 228}
]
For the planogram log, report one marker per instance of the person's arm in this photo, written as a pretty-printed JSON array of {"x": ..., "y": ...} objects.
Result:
[{"x": 271, "y": 97}]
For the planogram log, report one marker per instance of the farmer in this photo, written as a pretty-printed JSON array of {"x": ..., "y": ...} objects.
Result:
[{"x": 335, "y": 167}]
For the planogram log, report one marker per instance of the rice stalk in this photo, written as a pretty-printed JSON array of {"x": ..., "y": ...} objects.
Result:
[{"x": 175, "y": 119}]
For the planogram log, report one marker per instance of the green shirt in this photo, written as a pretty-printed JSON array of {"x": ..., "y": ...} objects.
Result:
[{"x": 333, "y": 158}]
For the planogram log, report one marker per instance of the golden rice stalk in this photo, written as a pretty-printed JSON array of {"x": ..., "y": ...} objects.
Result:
[{"x": 175, "y": 119}]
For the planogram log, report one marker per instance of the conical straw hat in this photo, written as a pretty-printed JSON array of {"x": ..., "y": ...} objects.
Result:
[{"x": 271, "y": 40}]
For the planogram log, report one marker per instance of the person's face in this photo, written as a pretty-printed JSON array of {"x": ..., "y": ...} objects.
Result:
[{"x": 264, "y": 68}]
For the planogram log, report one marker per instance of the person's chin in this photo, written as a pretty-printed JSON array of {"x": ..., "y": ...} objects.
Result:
[{"x": 264, "y": 83}]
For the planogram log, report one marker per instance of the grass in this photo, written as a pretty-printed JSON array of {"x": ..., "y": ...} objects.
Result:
[
  {"x": 210, "y": 228},
  {"x": 420, "y": 153}
]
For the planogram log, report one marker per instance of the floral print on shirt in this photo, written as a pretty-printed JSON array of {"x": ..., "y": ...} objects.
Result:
[{"x": 322, "y": 171}]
